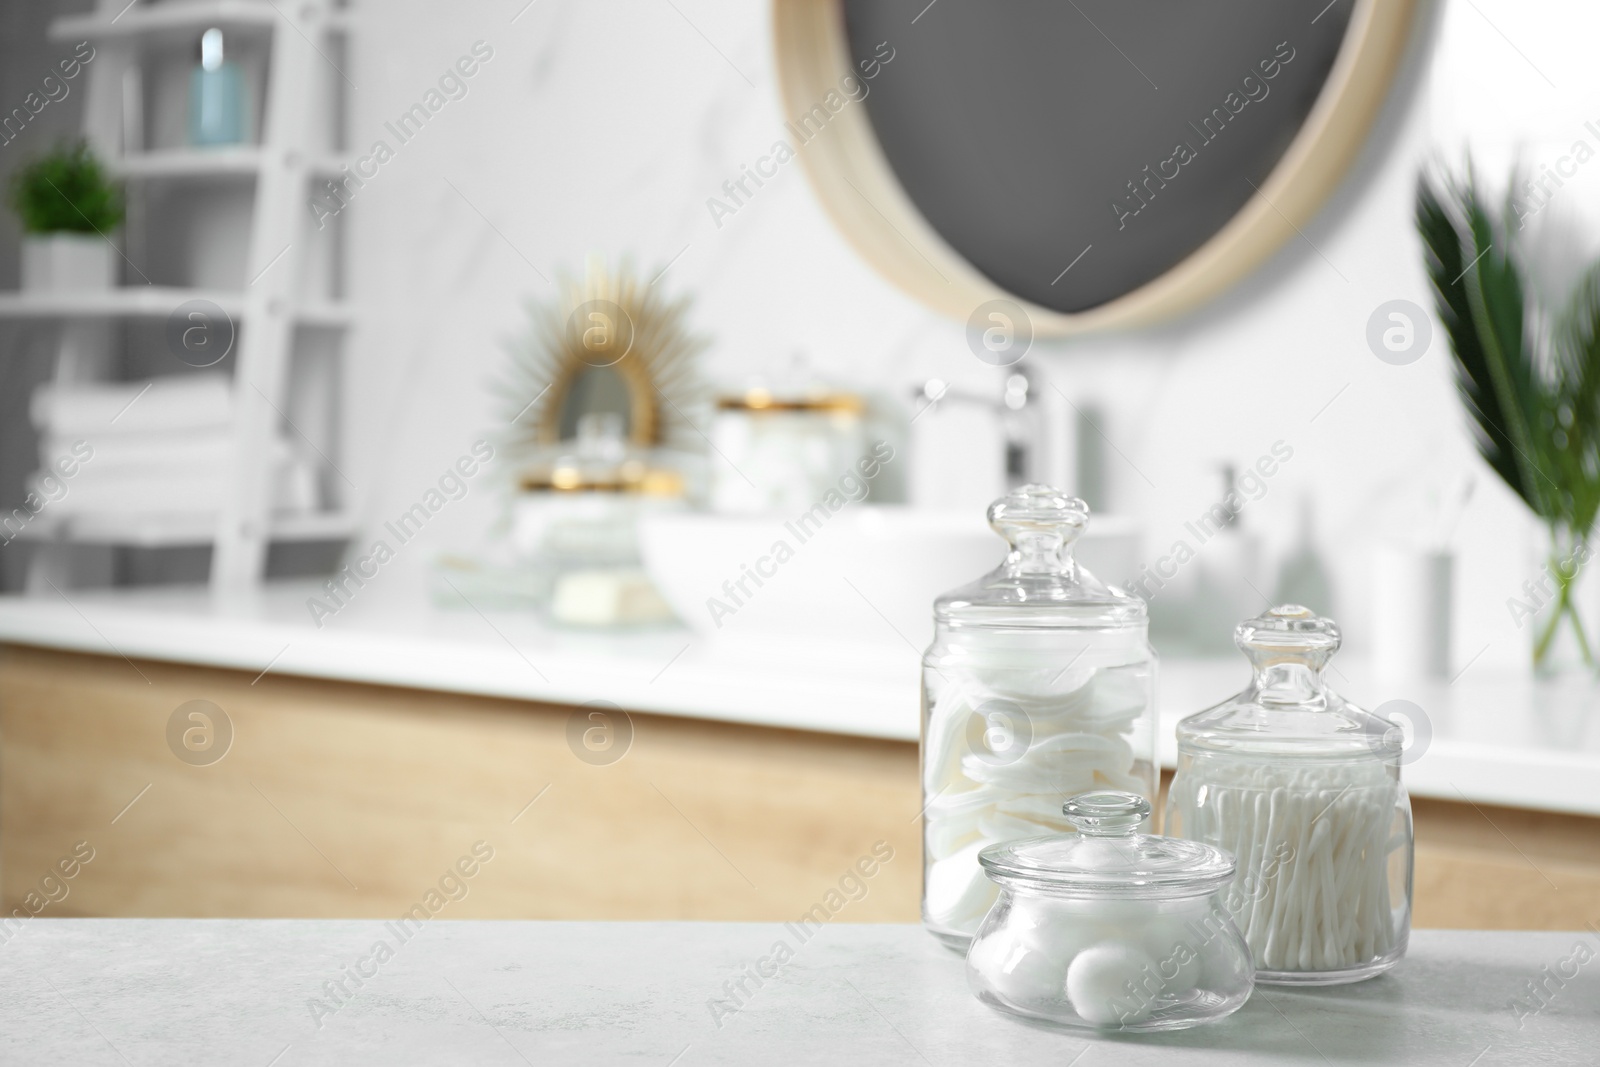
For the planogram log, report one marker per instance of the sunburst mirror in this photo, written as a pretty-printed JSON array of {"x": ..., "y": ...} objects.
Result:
[{"x": 608, "y": 346}]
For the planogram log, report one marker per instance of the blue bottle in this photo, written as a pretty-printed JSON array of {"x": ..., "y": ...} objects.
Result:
[{"x": 216, "y": 96}]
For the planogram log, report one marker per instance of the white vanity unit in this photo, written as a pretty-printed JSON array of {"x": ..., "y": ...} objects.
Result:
[
  {"x": 1501, "y": 740},
  {"x": 365, "y": 751}
]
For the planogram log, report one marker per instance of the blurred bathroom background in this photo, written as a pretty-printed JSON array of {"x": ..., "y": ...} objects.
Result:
[
  {"x": 416, "y": 342},
  {"x": 554, "y": 153}
]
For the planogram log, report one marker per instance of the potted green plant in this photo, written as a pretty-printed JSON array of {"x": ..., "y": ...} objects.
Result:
[
  {"x": 1527, "y": 360},
  {"x": 70, "y": 210}
]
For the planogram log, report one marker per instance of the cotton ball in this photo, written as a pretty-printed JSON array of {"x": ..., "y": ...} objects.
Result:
[
  {"x": 1097, "y": 982},
  {"x": 1106, "y": 854},
  {"x": 1063, "y": 942},
  {"x": 1172, "y": 946},
  {"x": 1013, "y": 964},
  {"x": 1116, "y": 920}
]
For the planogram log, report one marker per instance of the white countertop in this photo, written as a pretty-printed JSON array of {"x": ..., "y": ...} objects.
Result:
[
  {"x": 176, "y": 991},
  {"x": 1495, "y": 738}
]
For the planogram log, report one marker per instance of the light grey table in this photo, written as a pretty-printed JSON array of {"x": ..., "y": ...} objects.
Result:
[{"x": 253, "y": 993}]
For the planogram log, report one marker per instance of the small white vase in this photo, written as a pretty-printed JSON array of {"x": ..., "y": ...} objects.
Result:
[
  {"x": 1414, "y": 605},
  {"x": 68, "y": 263}
]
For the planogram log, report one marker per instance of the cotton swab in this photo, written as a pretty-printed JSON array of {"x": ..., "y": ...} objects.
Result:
[{"x": 1313, "y": 845}]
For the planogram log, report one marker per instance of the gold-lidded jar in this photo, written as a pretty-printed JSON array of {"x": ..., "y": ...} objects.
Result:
[{"x": 784, "y": 449}]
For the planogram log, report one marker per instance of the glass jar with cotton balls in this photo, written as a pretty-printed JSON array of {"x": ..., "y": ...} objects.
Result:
[{"x": 1108, "y": 928}]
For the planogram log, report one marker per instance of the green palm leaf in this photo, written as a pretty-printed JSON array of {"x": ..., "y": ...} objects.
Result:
[
  {"x": 1577, "y": 369},
  {"x": 1530, "y": 379},
  {"x": 1479, "y": 297}
]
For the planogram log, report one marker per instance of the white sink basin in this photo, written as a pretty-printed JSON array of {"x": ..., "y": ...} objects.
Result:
[{"x": 866, "y": 573}]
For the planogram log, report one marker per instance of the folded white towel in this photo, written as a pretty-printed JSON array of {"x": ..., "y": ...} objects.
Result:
[
  {"x": 128, "y": 478},
  {"x": 170, "y": 404},
  {"x": 124, "y": 452},
  {"x": 179, "y": 492}
]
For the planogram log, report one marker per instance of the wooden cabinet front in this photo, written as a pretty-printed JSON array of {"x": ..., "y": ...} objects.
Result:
[{"x": 343, "y": 800}]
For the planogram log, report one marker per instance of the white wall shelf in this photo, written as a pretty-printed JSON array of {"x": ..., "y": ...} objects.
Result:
[
  {"x": 173, "y": 19},
  {"x": 128, "y": 302},
  {"x": 244, "y": 161},
  {"x": 326, "y": 314},
  {"x": 224, "y": 224},
  {"x": 154, "y": 302}
]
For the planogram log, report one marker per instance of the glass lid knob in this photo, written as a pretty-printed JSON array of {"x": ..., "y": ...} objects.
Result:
[
  {"x": 1038, "y": 522},
  {"x": 1288, "y": 647},
  {"x": 1288, "y": 634},
  {"x": 1106, "y": 812}
]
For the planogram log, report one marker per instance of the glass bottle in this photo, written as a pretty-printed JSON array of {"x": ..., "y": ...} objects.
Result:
[
  {"x": 1110, "y": 929},
  {"x": 216, "y": 96},
  {"x": 1039, "y": 685},
  {"x": 1304, "y": 788}
]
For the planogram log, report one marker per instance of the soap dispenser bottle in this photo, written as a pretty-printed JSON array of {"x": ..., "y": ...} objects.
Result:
[
  {"x": 1229, "y": 567},
  {"x": 216, "y": 96}
]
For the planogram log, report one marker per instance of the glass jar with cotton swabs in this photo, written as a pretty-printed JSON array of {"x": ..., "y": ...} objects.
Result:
[
  {"x": 1304, "y": 789},
  {"x": 1039, "y": 685}
]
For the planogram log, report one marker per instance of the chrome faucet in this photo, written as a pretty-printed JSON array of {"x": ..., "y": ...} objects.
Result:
[{"x": 1019, "y": 415}]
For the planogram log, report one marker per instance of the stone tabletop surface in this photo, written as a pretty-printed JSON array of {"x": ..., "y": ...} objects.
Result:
[{"x": 282, "y": 993}]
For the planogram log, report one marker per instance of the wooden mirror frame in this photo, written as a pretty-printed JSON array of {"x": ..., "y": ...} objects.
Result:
[{"x": 859, "y": 190}]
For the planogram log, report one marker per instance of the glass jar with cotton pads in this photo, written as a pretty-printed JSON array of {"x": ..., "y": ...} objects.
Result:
[
  {"x": 1108, "y": 928},
  {"x": 1039, "y": 685},
  {"x": 1304, "y": 788}
]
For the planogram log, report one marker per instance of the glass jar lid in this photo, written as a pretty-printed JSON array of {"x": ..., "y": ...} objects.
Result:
[
  {"x": 1108, "y": 856},
  {"x": 1288, "y": 709},
  {"x": 1039, "y": 584}
]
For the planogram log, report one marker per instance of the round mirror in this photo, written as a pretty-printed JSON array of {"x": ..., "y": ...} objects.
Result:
[{"x": 1099, "y": 162}]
